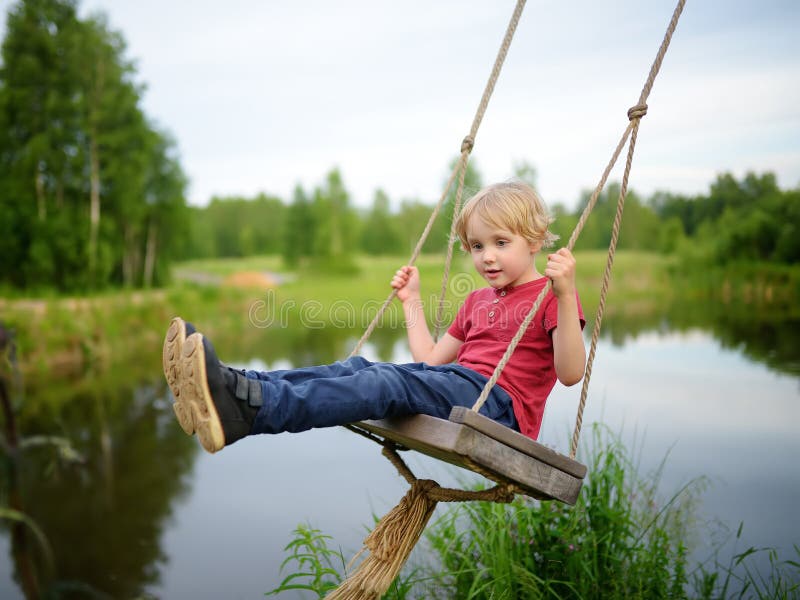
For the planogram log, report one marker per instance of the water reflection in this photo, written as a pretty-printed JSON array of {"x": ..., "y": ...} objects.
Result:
[
  {"x": 772, "y": 338},
  {"x": 103, "y": 515},
  {"x": 707, "y": 411},
  {"x": 122, "y": 521},
  {"x": 298, "y": 347}
]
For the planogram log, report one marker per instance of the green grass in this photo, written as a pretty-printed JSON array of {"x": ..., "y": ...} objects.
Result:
[
  {"x": 227, "y": 266},
  {"x": 621, "y": 540},
  {"x": 69, "y": 337},
  {"x": 311, "y": 566},
  {"x": 638, "y": 280},
  {"x": 314, "y": 567}
]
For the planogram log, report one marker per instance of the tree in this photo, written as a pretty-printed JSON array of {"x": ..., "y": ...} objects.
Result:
[
  {"x": 380, "y": 233},
  {"x": 81, "y": 168},
  {"x": 671, "y": 236},
  {"x": 166, "y": 212},
  {"x": 596, "y": 232},
  {"x": 748, "y": 219},
  {"x": 563, "y": 223},
  {"x": 113, "y": 126},
  {"x": 411, "y": 219},
  {"x": 787, "y": 242},
  {"x": 758, "y": 223},
  {"x": 440, "y": 234},
  {"x": 301, "y": 229},
  {"x": 335, "y": 224},
  {"x": 39, "y": 150},
  {"x": 235, "y": 226},
  {"x": 640, "y": 225}
]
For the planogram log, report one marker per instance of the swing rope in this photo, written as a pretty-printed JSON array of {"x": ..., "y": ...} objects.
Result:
[
  {"x": 398, "y": 531},
  {"x": 460, "y": 167},
  {"x": 395, "y": 536},
  {"x": 635, "y": 115}
]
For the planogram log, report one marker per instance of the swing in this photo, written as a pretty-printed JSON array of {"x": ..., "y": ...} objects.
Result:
[
  {"x": 472, "y": 441},
  {"x": 516, "y": 463}
]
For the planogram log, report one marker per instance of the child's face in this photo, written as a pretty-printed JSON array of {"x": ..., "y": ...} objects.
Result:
[{"x": 501, "y": 257}]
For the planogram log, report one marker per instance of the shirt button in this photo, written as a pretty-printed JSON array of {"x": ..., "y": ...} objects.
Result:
[
  {"x": 496, "y": 300},
  {"x": 491, "y": 314},
  {"x": 503, "y": 293}
]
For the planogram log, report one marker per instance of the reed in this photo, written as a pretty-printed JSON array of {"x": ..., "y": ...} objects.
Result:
[
  {"x": 621, "y": 540},
  {"x": 618, "y": 541}
]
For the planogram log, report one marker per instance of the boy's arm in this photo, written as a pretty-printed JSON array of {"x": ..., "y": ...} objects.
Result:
[
  {"x": 569, "y": 353},
  {"x": 420, "y": 340}
]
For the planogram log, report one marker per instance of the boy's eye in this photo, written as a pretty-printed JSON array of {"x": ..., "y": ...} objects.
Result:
[
  {"x": 476, "y": 246},
  {"x": 501, "y": 242}
]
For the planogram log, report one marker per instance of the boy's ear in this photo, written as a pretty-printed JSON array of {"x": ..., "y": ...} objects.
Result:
[{"x": 536, "y": 247}]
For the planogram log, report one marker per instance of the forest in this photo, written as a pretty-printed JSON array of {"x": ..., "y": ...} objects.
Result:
[
  {"x": 748, "y": 219},
  {"x": 93, "y": 195}
]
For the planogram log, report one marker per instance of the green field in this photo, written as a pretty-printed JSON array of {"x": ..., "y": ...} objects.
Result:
[{"x": 70, "y": 336}]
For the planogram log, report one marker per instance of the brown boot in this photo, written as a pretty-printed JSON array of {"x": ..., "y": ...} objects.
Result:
[{"x": 215, "y": 401}]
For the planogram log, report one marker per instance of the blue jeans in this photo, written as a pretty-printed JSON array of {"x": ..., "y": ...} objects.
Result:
[{"x": 357, "y": 390}]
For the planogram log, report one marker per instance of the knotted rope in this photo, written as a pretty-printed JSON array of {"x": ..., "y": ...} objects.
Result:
[
  {"x": 635, "y": 114},
  {"x": 459, "y": 168},
  {"x": 396, "y": 534}
]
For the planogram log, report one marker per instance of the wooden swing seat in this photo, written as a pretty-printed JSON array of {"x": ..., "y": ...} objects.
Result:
[{"x": 475, "y": 442}]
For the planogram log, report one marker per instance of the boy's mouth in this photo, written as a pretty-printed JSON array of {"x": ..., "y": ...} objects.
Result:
[{"x": 492, "y": 273}]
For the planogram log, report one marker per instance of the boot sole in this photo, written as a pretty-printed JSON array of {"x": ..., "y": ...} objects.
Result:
[
  {"x": 194, "y": 405},
  {"x": 171, "y": 355}
]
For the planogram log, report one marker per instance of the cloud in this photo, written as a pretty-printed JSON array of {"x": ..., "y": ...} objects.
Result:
[{"x": 261, "y": 96}]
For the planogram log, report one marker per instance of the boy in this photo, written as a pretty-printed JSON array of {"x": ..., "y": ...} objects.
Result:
[{"x": 503, "y": 227}]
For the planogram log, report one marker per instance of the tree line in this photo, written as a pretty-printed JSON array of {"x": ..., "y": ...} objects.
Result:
[
  {"x": 91, "y": 191},
  {"x": 318, "y": 227},
  {"x": 748, "y": 219}
]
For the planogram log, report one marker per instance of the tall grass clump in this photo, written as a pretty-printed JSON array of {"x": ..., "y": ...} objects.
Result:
[
  {"x": 618, "y": 541},
  {"x": 315, "y": 568},
  {"x": 739, "y": 578}
]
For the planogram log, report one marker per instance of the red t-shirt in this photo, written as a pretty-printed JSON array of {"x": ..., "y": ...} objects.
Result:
[{"x": 486, "y": 323}]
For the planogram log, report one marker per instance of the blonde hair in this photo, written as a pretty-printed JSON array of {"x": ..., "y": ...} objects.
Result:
[{"x": 514, "y": 206}]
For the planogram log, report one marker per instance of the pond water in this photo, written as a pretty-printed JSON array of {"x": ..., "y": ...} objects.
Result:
[{"x": 149, "y": 513}]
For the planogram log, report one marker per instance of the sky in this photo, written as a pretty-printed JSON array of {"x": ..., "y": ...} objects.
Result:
[{"x": 262, "y": 95}]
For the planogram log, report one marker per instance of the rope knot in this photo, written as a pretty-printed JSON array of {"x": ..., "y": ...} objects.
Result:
[
  {"x": 505, "y": 494},
  {"x": 637, "y": 112},
  {"x": 467, "y": 144},
  {"x": 423, "y": 487}
]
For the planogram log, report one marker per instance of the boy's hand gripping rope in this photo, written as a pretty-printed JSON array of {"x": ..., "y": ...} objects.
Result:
[
  {"x": 396, "y": 534},
  {"x": 635, "y": 114}
]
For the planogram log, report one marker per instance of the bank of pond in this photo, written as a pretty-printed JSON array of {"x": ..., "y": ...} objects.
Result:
[
  {"x": 103, "y": 493},
  {"x": 253, "y": 307}
]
